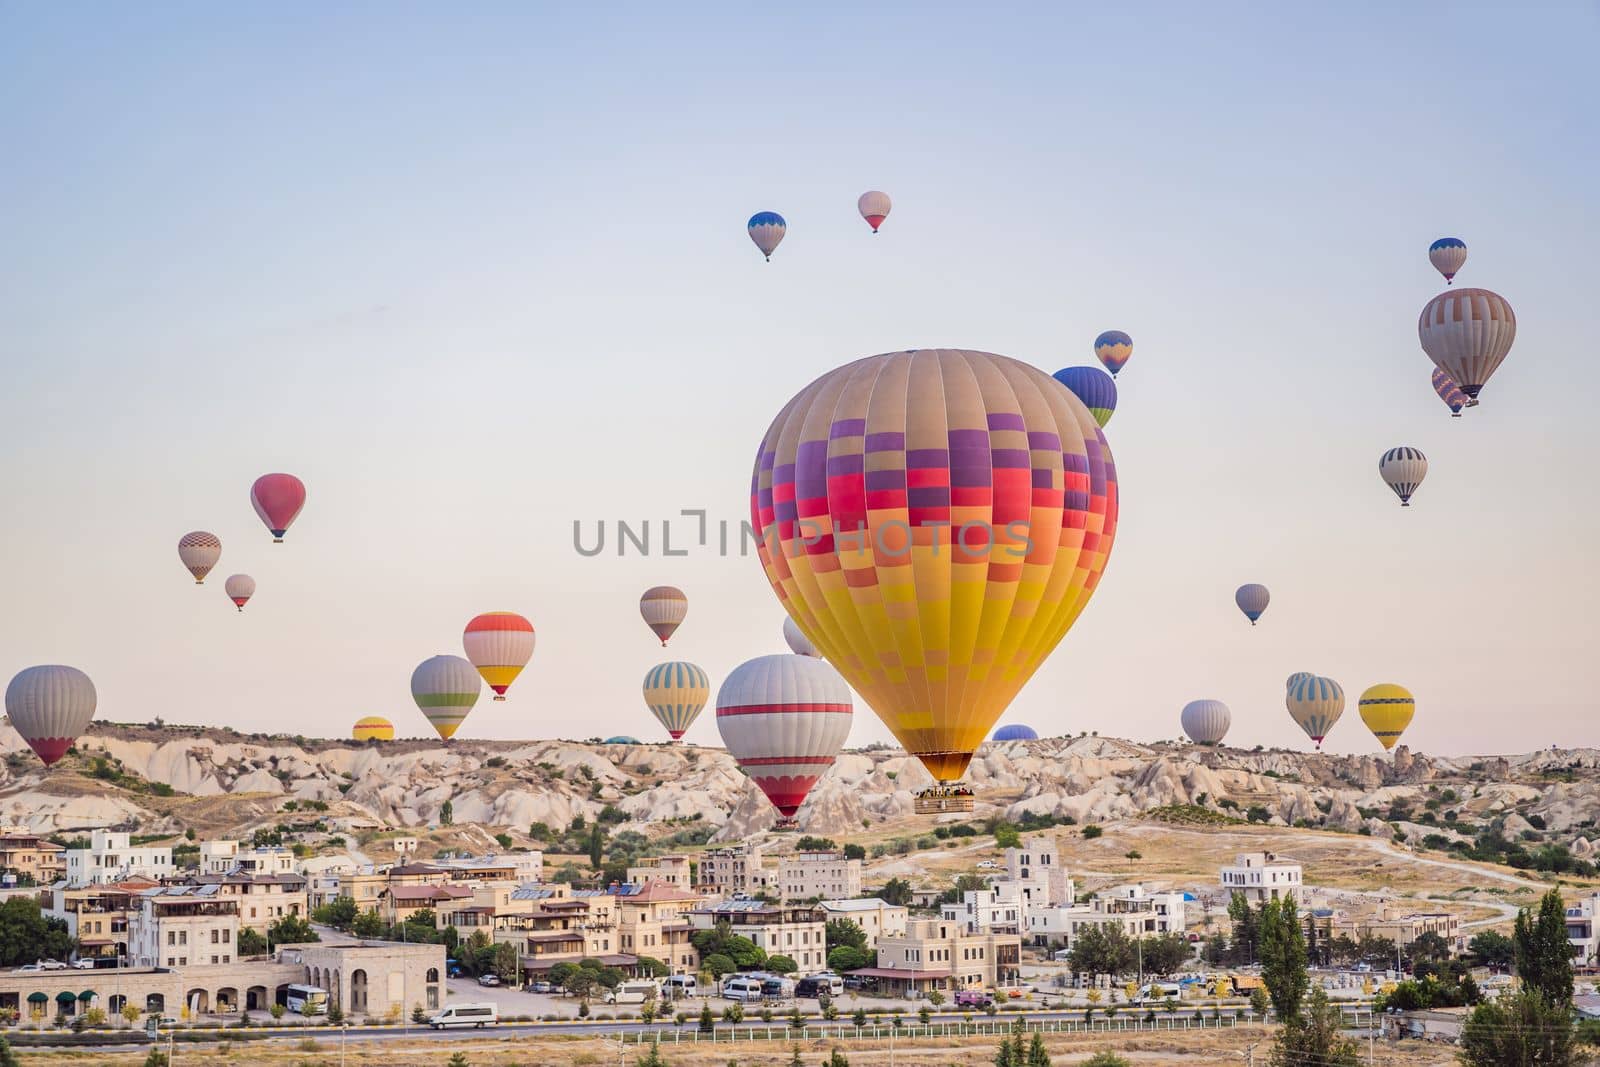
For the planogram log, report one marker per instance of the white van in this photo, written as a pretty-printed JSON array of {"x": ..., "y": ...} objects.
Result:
[
  {"x": 739, "y": 987},
  {"x": 1158, "y": 991},
  {"x": 633, "y": 991},
  {"x": 682, "y": 985},
  {"x": 479, "y": 1015}
]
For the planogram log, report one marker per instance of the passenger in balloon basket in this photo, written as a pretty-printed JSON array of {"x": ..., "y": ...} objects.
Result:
[{"x": 786, "y": 824}]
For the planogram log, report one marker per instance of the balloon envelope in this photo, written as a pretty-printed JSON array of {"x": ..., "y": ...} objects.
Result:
[
  {"x": 1467, "y": 333},
  {"x": 664, "y": 608},
  {"x": 1450, "y": 392},
  {"x": 675, "y": 693},
  {"x": 1015, "y": 731},
  {"x": 199, "y": 551},
  {"x": 445, "y": 689},
  {"x": 784, "y": 718},
  {"x": 499, "y": 644},
  {"x": 1447, "y": 254},
  {"x": 1387, "y": 709},
  {"x": 1113, "y": 349},
  {"x": 936, "y": 521},
  {"x": 1252, "y": 599},
  {"x": 798, "y": 642},
  {"x": 874, "y": 207},
  {"x": 278, "y": 499},
  {"x": 50, "y": 706},
  {"x": 1093, "y": 386},
  {"x": 766, "y": 229},
  {"x": 1206, "y": 721},
  {"x": 1403, "y": 469},
  {"x": 240, "y": 588},
  {"x": 1314, "y": 703},
  {"x": 373, "y": 728}
]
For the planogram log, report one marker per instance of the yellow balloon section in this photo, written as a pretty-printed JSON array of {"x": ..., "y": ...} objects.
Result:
[
  {"x": 934, "y": 521},
  {"x": 373, "y": 728},
  {"x": 1387, "y": 710}
]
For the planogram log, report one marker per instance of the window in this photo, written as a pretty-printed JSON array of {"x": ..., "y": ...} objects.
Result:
[
  {"x": 172, "y": 937},
  {"x": 227, "y": 937},
  {"x": 216, "y": 937},
  {"x": 226, "y": 958},
  {"x": 171, "y": 962}
]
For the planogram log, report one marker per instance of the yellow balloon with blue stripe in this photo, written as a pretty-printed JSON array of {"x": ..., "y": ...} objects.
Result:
[
  {"x": 1387, "y": 710},
  {"x": 676, "y": 692}
]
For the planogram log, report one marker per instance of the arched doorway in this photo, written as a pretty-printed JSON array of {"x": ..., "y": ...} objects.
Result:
[
  {"x": 358, "y": 992},
  {"x": 116, "y": 1003},
  {"x": 198, "y": 1001},
  {"x": 255, "y": 998},
  {"x": 280, "y": 995},
  {"x": 155, "y": 1004},
  {"x": 227, "y": 1000}
]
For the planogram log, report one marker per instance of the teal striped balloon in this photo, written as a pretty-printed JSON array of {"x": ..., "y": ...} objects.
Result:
[{"x": 675, "y": 692}]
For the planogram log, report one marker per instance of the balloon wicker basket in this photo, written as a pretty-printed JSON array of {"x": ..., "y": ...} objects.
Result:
[
  {"x": 944, "y": 799},
  {"x": 786, "y": 825}
]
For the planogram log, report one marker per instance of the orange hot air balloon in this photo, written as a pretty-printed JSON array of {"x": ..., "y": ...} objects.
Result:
[
  {"x": 664, "y": 608},
  {"x": 499, "y": 644},
  {"x": 936, "y": 521}
]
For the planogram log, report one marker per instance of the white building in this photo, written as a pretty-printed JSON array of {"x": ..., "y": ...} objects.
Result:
[
  {"x": 1037, "y": 870},
  {"x": 111, "y": 857},
  {"x": 1034, "y": 879},
  {"x": 1581, "y": 929},
  {"x": 183, "y": 926},
  {"x": 1137, "y": 912},
  {"x": 737, "y": 869},
  {"x": 997, "y": 909},
  {"x": 1262, "y": 876},
  {"x": 818, "y": 875},
  {"x": 794, "y": 932},
  {"x": 226, "y": 857},
  {"x": 876, "y": 918}
]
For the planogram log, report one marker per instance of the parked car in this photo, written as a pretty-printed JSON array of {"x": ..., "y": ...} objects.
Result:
[
  {"x": 52, "y": 965},
  {"x": 540, "y": 987},
  {"x": 987, "y": 865},
  {"x": 29, "y": 968},
  {"x": 854, "y": 981},
  {"x": 84, "y": 964},
  {"x": 488, "y": 979}
]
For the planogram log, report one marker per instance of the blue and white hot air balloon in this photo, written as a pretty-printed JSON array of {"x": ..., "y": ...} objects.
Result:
[
  {"x": 766, "y": 229},
  {"x": 1447, "y": 254}
]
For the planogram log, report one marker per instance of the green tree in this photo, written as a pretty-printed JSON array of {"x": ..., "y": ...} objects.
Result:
[
  {"x": 708, "y": 1022},
  {"x": 1006, "y": 836},
  {"x": 291, "y": 930},
  {"x": 1091, "y": 832},
  {"x": 782, "y": 964},
  {"x": 251, "y": 943},
  {"x": 853, "y": 851},
  {"x": 1283, "y": 957},
  {"x": 1314, "y": 1037},
  {"x": 1106, "y": 1059},
  {"x": 1037, "y": 1055},
  {"x": 458, "y": 1059},
  {"x": 1543, "y": 954},
  {"x": 368, "y": 924},
  {"x": 447, "y": 814},
  {"x": 157, "y": 1058},
  {"x": 844, "y": 958},
  {"x": 338, "y": 913},
  {"x": 1166, "y": 953},
  {"x": 1430, "y": 946},
  {"x": 844, "y": 932},
  {"x": 653, "y": 1057},
  {"x": 1102, "y": 949},
  {"x": 1493, "y": 949},
  {"x": 1246, "y": 932},
  {"x": 896, "y": 891},
  {"x": 26, "y": 934},
  {"x": 837, "y": 1059},
  {"x": 718, "y": 964},
  {"x": 7, "y": 1057},
  {"x": 795, "y": 1060},
  {"x": 596, "y": 844},
  {"x": 1003, "y": 1056},
  {"x": 1519, "y": 1029}
]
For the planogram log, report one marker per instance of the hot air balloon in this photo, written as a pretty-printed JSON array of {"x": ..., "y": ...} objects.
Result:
[
  {"x": 50, "y": 706},
  {"x": 1093, "y": 386},
  {"x": 664, "y": 608},
  {"x": 1387, "y": 710},
  {"x": 766, "y": 229},
  {"x": 1113, "y": 347},
  {"x": 1447, "y": 254},
  {"x": 1450, "y": 393},
  {"x": 799, "y": 643},
  {"x": 499, "y": 644},
  {"x": 784, "y": 719},
  {"x": 372, "y": 728},
  {"x": 1015, "y": 732},
  {"x": 199, "y": 552},
  {"x": 278, "y": 498},
  {"x": 874, "y": 207},
  {"x": 935, "y": 520},
  {"x": 1252, "y": 600},
  {"x": 1403, "y": 469},
  {"x": 445, "y": 688},
  {"x": 240, "y": 588},
  {"x": 1206, "y": 721},
  {"x": 675, "y": 693},
  {"x": 1314, "y": 703},
  {"x": 1467, "y": 333},
  {"x": 622, "y": 739}
]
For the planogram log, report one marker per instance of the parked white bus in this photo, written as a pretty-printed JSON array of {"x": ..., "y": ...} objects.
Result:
[
  {"x": 633, "y": 991},
  {"x": 307, "y": 1000},
  {"x": 738, "y": 987},
  {"x": 479, "y": 1015}
]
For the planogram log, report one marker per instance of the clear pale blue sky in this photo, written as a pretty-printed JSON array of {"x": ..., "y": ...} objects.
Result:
[{"x": 474, "y": 273}]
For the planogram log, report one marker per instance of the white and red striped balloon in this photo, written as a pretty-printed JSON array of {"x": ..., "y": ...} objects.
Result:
[
  {"x": 50, "y": 706},
  {"x": 499, "y": 644},
  {"x": 240, "y": 588},
  {"x": 784, "y": 718}
]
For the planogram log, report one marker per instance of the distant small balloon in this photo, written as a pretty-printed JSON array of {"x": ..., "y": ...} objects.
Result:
[
  {"x": 664, "y": 607},
  {"x": 1387, "y": 709},
  {"x": 1252, "y": 599},
  {"x": 1015, "y": 731},
  {"x": 675, "y": 693},
  {"x": 1206, "y": 721},
  {"x": 1093, "y": 386},
  {"x": 1113, "y": 347},
  {"x": 1314, "y": 703},
  {"x": 499, "y": 644},
  {"x": 1450, "y": 393},
  {"x": 199, "y": 552},
  {"x": 240, "y": 588},
  {"x": 766, "y": 229},
  {"x": 798, "y": 642},
  {"x": 1447, "y": 254},
  {"x": 278, "y": 499},
  {"x": 1403, "y": 469},
  {"x": 372, "y": 728},
  {"x": 874, "y": 207}
]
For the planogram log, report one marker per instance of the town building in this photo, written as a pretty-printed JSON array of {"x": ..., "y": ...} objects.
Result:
[
  {"x": 876, "y": 917},
  {"x": 376, "y": 979},
  {"x": 263, "y": 898},
  {"x": 1036, "y": 869},
  {"x": 112, "y": 857},
  {"x": 1583, "y": 933},
  {"x": 1403, "y": 929},
  {"x": 1262, "y": 876},
  {"x": 676, "y": 871},
  {"x": 29, "y": 860},
  {"x": 97, "y": 915},
  {"x": 514, "y": 867},
  {"x": 1137, "y": 912},
  {"x": 652, "y": 920},
  {"x": 566, "y": 926},
  {"x": 224, "y": 857},
  {"x": 736, "y": 869},
  {"x": 997, "y": 907},
  {"x": 796, "y": 932},
  {"x": 938, "y": 954},
  {"x": 808, "y": 876},
  {"x": 183, "y": 926}
]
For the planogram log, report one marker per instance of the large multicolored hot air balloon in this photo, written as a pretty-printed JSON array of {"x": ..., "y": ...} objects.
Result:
[
  {"x": 278, "y": 499},
  {"x": 766, "y": 229},
  {"x": 664, "y": 608},
  {"x": 445, "y": 689},
  {"x": 240, "y": 588},
  {"x": 372, "y": 728},
  {"x": 1450, "y": 393},
  {"x": 199, "y": 551},
  {"x": 784, "y": 718},
  {"x": 798, "y": 642},
  {"x": 874, "y": 207},
  {"x": 1403, "y": 469},
  {"x": 1206, "y": 721},
  {"x": 499, "y": 644},
  {"x": 1093, "y": 386},
  {"x": 936, "y": 521},
  {"x": 1252, "y": 599},
  {"x": 50, "y": 706},
  {"x": 675, "y": 693},
  {"x": 1467, "y": 333},
  {"x": 1314, "y": 703},
  {"x": 1387, "y": 709},
  {"x": 1015, "y": 731},
  {"x": 1447, "y": 254},
  {"x": 1113, "y": 349}
]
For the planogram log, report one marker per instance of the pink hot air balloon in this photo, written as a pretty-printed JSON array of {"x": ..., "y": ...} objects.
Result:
[
  {"x": 784, "y": 718},
  {"x": 278, "y": 498},
  {"x": 50, "y": 706}
]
